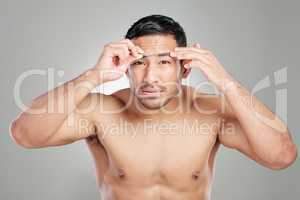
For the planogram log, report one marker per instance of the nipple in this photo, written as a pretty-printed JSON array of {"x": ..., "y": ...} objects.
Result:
[
  {"x": 121, "y": 173},
  {"x": 195, "y": 175}
]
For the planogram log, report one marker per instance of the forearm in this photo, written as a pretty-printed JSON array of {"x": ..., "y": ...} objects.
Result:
[
  {"x": 269, "y": 138},
  {"x": 48, "y": 111},
  {"x": 266, "y": 133}
]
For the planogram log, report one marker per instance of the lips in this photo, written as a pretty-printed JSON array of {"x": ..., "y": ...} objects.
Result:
[{"x": 151, "y": 91}]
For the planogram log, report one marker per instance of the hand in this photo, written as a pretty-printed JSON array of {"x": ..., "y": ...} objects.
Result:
[
  {"x": 203, "y": 59},
  {"x": 115, "y": 59}
]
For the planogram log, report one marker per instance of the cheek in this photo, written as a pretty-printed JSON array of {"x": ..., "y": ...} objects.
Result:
[
  {"x": 136, "y": 79},
  {"x": 170, "y": 75},
  {"x": 172, "y": 85}
]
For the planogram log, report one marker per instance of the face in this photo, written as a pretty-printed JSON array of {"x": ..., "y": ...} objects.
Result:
[{"x": 156, "y": 78}]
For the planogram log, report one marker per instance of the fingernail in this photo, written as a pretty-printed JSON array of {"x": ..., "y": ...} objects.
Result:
[
  {"x": 140, "y": 49},
  {"x": 139, "y": 56}
]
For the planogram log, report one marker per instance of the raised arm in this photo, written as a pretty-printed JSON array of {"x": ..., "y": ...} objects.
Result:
[
  {"x": 258, "y": 132},
  {"x": 65, "y": 114},
  {"x": 35, "y": 126}
]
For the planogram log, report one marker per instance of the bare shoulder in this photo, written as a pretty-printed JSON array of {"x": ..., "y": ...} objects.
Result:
[
  {"x": 211, "y": 103},
  {"x": 203, "y": 101},
  {"x": 123, "y": 95},
  {"x": 102, "y": 109},
  {"x": 103, "y": 101},
  {"x": 95, "y": 106}
]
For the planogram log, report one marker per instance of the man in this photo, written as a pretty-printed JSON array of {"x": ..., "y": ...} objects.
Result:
[{"x": 157, "y": 139}]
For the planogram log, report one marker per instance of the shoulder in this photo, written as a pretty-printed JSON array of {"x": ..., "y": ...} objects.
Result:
[
  {"x": 98, "y": 104},
  {"x": 122, "y": 95},
  {"x": 206, "y": 103},
  {"x": 99, "y": 99}
]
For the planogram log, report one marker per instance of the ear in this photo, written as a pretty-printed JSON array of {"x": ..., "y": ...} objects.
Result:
[
  {"x": 186, "y": 71},
  {"x": 127, "y": 73}
]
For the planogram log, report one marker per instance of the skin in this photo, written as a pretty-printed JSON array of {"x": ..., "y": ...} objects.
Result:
[{"x": 169, "y": 146}]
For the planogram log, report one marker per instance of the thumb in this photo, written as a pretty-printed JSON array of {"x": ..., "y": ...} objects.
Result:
[{"x": 197, "y": 45}]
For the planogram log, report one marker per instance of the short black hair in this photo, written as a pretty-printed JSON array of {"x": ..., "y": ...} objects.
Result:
[{"x": 157, "y": 25}]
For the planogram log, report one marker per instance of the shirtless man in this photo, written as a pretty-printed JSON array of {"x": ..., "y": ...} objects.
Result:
[{"x": 157, "y": 139}]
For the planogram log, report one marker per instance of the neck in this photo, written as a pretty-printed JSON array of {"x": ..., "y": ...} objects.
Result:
[{"x": 173, "y": 106}]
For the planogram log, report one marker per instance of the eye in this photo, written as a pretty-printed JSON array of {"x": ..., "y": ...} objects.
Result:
[
  {"x": 164, "y": 62},
  {"x": 136, "y": 63}
]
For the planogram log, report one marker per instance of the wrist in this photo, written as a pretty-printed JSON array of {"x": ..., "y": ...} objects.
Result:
[
  {"x": 227, "y": 84},
  {"x": 93, "y": 77}
]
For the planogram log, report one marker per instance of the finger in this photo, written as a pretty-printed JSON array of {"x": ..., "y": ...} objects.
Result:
[
  {"x": 135, "y": 50},
  {"x": 193, "y": 63},
  {"x": 205, "y": 54},
  {"x": 113, "y": 75},
  {"x": 194, "y": 48},
  {"x": 186, "y": 63},
  {"x": 192, "y": 56},
  {"x": 197, "y": 45},
  {"x": 140, "y": 49},
  {"x": 196, "y": 54},
  {"x": 119, "y": 55},
  {"x": 189, "y": 63},
  {"x": 131, "y": 50},
  {"x": 197, "y": 64},
  {"x": 125, "y": 57},
  {"x": 123, "y": 47},
  {"x": 133, "y": 46}
]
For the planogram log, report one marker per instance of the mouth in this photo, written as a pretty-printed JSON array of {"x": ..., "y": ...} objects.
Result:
[{"x": 153, "y": 92}]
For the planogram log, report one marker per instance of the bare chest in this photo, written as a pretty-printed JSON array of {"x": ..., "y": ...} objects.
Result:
[{"x": 171, "y": 151}]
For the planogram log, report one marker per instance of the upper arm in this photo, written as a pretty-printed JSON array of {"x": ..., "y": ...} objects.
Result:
[
  {"x": 77, "y": 125},
  {"x": 81, "y": 123},
  {"x": 231, "y": 134}
]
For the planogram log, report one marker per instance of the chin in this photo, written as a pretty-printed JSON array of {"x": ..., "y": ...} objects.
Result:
[{"x": 152, "y": 104}]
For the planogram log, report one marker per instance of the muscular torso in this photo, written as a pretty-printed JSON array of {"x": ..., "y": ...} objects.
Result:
[{"x": 169, "y": 158}]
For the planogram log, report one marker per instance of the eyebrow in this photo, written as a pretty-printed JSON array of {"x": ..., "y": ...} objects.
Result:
[{"x": 159, "y": 54}]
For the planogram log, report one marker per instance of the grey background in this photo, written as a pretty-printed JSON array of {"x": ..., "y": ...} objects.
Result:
[{"x": 252, "y": 39}]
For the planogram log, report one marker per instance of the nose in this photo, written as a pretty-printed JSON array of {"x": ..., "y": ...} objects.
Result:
[{"x": 151, "y": 74}]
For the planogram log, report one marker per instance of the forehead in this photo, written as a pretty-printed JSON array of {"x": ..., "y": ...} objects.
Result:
[{"x": 155, "y": 44}]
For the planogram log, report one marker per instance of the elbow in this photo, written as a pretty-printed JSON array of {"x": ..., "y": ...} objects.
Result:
[
  {"x": 285, "y": 158},
  {"x": 19, "y": 135}
]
